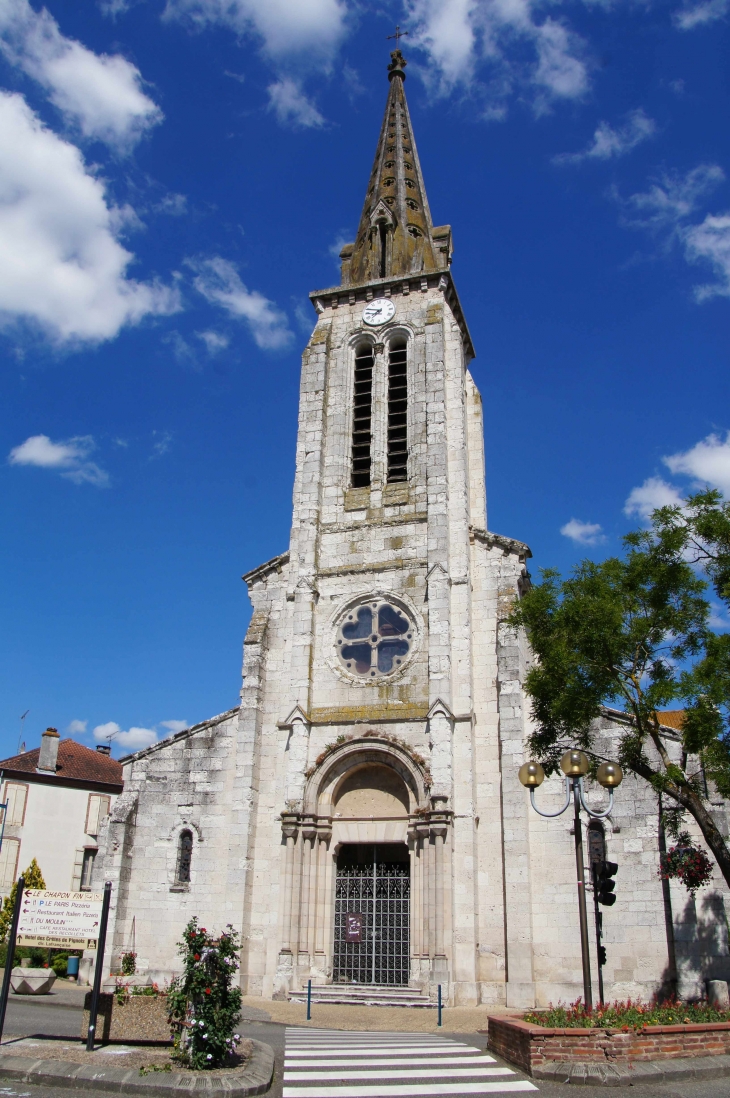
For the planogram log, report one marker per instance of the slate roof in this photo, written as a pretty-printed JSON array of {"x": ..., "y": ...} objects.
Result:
[{"x": 75, "y": 763}]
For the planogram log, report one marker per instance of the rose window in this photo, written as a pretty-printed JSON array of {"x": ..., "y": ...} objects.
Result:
[{"x": 374, "y": 639}]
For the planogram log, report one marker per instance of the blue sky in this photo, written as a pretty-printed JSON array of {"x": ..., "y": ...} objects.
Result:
[{"x": 176, "y": 177}]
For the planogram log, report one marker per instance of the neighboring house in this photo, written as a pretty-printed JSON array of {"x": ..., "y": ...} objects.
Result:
[{"x": 57, "y": 797}]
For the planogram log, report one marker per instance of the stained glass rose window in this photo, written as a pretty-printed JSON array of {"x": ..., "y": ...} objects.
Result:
[{"x": 374, "y": 639}]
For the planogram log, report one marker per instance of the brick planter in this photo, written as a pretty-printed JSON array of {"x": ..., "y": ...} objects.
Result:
[
  {"x": 138, "y": 1018},
  {"x": 533, "y": 1047}
]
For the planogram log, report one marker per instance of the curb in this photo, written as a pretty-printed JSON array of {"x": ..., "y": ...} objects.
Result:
[
  {"x": 255, "y": 1079},
  {"x": 681, "y": 1070}
]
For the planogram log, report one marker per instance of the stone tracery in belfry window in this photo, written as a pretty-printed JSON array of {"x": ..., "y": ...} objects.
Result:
[{"x": 374, "y": 639}]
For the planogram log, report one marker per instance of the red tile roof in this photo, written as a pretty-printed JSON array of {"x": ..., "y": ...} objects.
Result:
[
  {"x": 671, "y": 718},
  {"x": 74, "y": 762}
]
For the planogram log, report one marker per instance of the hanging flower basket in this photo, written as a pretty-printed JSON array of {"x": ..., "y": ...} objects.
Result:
[{"x": 686, "y": 863}]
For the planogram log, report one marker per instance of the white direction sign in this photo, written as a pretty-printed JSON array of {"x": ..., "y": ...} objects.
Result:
[{"x": 60, "y": 920}]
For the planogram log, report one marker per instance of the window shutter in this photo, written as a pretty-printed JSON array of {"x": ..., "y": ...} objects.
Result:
[
  {"x": 93, "y": 814},
  {"x": 9, "y": 862},
  {"x": 16, "y": 795},
  {"x": 78, "y": 867}
]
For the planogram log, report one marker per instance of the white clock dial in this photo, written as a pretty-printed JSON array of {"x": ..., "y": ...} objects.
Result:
[{"x": 379, "y": 311}]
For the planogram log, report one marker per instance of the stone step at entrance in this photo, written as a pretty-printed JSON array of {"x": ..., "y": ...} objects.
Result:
[{"x": 364, "y": 995}]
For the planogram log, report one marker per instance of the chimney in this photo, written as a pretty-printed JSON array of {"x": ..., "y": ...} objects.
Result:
[
  {"x": 49, "y": 750},
  {"x": 104, "y": 748}
]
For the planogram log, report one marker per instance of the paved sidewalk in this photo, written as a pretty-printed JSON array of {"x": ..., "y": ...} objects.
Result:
[{"x": 395, "y": 1019}]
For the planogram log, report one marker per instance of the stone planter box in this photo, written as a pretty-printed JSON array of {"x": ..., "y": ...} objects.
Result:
[
  {"x": 533, "y": 1047},
  {"x": 32, "y": 981},
  {"x": 138, "y": 1018}
]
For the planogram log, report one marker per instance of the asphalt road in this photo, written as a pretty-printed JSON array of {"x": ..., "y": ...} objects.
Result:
[{"x": 59, "y": 1015}]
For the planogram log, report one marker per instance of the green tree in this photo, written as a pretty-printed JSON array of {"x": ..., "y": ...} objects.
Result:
[
  {"x": 33, "y": 879},
  {"x": 634, "y": 632}
]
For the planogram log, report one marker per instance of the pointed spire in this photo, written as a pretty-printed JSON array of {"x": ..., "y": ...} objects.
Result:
[{"x": 396, "y": 235}]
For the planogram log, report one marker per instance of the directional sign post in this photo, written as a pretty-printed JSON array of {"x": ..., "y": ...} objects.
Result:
[
  {"x": 91, "y": 1033},
  {"x": 60, "y": 920},
  {"x": 10, "y": 954}
]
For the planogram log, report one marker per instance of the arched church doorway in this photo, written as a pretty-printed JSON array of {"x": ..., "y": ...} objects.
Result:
[{"x": 372, "y": 914}]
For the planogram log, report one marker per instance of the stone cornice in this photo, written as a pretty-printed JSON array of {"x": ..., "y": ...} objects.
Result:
[
  {"x": 510, "y": 545},
  {"x": 334, "y": 296},
  {"x": 264, "y": 570},
  {"x": 184, "y": 735}
]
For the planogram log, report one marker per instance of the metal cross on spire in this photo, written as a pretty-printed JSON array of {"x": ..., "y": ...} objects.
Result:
[{"x": 398, "y": 35}]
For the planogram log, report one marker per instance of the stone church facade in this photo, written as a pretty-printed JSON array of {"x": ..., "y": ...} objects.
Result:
[{"x": 358, "y": 819}]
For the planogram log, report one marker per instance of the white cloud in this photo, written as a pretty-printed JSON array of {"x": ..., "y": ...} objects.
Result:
[
  {"x": 650, "y": 495},
  {"x": 102, "y": 95},
  {"x": 313, "y": 27},
  {"x": 162, "y": 443},
  {"x": 697, "y": 15},
  {"x": 61, "y": 264},
  {"x": 175, "y": 726},
  {"x": 608, "y": 142},
  {"x": 707, "y": 463},
  {"x": 77, "y": 728},
  {"x": 667, "y": 207},
  {"x": 583, "y": 533},
  {"x": 710, "y": 242},
  {"x": 175, "y": 205},
  {"x": 467, "y": 38},
  {"x": 718, "y": 617},
  {"x": 214, "y": 341},
  {"x": 70, "y": 458},
  {"x": 675, "y": 197},
  {"x": 218, "y": 281},
  {"x": 560, "y": 69},
  {"x": 291, "y": 106},
  {"x": 134, "y": 739}
]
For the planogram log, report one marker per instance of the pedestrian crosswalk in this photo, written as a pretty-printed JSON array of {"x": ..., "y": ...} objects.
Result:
[{"x": 330, "y": 1063}]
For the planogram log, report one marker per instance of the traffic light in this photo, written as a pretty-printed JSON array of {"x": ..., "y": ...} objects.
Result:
[
  {"x": 601, "y": 955},
  {"x": 604, "y": 884}
]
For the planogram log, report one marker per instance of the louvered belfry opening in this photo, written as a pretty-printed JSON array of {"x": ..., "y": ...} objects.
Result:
[
  {"x": 397, "y": 412},
  {"x": 362, "y": 416}
]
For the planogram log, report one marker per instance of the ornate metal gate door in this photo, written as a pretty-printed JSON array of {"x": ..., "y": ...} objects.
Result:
[{"x": 372, "y": 923}]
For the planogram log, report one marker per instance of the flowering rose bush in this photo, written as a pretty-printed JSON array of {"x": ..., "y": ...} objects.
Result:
[
  {"x": 204, "y": 1007},
  {"x": 686, "y": 863},
  {"x": 625, "y": 1015}
]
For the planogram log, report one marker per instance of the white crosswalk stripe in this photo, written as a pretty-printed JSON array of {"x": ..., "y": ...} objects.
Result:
[{"x": 321, "y": 1063}]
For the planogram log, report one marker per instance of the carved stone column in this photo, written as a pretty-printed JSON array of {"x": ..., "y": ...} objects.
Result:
[
  {"x": 285, "y": 965},
  {"x": 324, "y": 836},
  {"x": 439, "y": 836},
  {"x": 306, "y": 904},
  {"x": 289, "y": 829}
]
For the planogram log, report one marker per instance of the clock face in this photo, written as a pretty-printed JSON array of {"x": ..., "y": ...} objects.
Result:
[{"x": 379, "y": 311}]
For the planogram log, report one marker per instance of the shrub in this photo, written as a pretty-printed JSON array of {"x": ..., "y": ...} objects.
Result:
[
  {"x": 129, "y": 964},
  {"x": 203, "y": 1004},
  {"x": 625, "y": 1015}
]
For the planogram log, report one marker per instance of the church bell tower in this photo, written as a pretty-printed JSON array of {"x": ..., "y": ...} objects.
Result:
[{"x": 371, "y": 660}]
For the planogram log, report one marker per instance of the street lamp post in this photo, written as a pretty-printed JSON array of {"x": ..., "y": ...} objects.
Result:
[{"x": 575, "y": 766}]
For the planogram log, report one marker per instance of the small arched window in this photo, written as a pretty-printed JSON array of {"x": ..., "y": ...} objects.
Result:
[
  {"x": 398, "y": 411},
  {"x": 361, "y": 417},
  {"x": 184, "y": 857}
]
